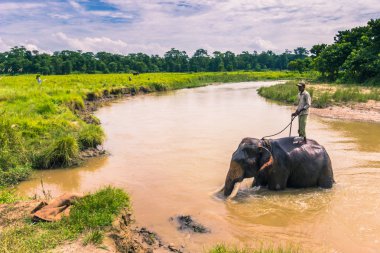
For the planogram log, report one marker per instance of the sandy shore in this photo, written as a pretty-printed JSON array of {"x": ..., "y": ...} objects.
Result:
[{"x": 368, "y": 112}]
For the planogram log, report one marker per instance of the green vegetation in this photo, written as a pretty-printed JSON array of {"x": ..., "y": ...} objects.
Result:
[
  {"x": 47, "y": 125},
  {"x": 19, "y": 60},
  {"x": 353, "y": 57},
  {"x": 322, "y": 96},
  {"x": 228, "y": 249},
  {"x": 90, "y": 215},
  {"x": 93, "y": 237},
  {"x": 8, "y": 196}
]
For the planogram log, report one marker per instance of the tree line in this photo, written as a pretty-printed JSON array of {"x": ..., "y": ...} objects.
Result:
[{"x": 19, "y": 60}]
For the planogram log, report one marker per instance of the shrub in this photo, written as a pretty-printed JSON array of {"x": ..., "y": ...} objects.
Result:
[
  {"x": 64, "y": 152},
  {"x": 8, "y": 196},
  {"x": 14, "y": 175},
  {"x": 90, "y": 136},
  {"x": 322, "y": 101}
]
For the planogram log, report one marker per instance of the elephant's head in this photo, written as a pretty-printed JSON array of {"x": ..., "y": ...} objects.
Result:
[{"x": 250, "y": 157}]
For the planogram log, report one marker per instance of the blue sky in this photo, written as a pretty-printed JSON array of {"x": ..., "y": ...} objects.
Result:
[{"x": 153, "y": 27}]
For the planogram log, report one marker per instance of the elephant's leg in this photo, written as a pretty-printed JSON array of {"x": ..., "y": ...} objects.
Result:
[
  {"x": 260, "y": 179},
  {"x": 325, "y": 181},
  {"x": 277, "y": 179}
]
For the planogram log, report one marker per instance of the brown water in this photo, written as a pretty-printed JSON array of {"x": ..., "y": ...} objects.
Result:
[{"x": 170, "y": 151}]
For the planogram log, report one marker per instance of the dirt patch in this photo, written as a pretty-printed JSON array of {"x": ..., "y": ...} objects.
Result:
[
  {"x": 368, "y": 112},
  {"x": 130, "y": 238},
  {"x": 15, "y": 213},
  {"x": 108, "y": 246},
  {"x": 93, "y": 152}
]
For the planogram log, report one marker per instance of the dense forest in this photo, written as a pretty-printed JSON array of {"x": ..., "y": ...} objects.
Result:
[
  {"x": 19, "y": 60},
  {"x": 353, "y": 57}
]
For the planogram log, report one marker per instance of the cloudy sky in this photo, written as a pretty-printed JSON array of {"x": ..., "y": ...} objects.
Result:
[{"x": 155, "y": 26}]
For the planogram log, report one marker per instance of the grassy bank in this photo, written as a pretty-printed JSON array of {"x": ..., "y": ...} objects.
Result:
[
  {"x": 229, "y": 249},
  {"x": 90, "y": 217},
  {"x": 46, "y": 125},
  {"x": 322, "y": 95}
]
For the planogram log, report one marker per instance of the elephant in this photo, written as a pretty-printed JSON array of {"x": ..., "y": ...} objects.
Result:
[{"x": 279, "y": 163}]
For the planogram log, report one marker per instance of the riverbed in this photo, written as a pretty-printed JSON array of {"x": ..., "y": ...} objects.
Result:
[{"x": 172, "y": 150}]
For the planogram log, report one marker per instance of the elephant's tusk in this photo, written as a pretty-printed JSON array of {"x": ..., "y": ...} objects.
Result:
[
  {"x": 235, "y": 191},
  {"x": 220, "y": 189}
]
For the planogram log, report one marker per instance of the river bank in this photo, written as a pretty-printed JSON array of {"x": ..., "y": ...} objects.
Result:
[
  {"x": 365, "y": 112},
  {"x": 355, "y": 103}
]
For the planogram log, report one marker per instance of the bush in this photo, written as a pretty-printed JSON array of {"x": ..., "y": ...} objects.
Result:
[
  {"x": 14, "y": 175},
  {"x": 90, "y": 136},
  {"x": 8, "y": 196},
  {"x": 64, "y": 152},
  {"x": 99, "y": 209},
  {"x": 322, "y": 101}
]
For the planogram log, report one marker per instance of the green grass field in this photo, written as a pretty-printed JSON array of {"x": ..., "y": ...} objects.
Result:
[{"x": 42, "y": 125}]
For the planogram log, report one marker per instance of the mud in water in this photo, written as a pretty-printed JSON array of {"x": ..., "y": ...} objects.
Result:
[{"x": 171, "y": 151}]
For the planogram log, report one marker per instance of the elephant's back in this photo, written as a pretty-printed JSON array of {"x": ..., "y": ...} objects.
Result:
[
  {"x": 286, "y": 145},
  {"x": 305, "y": 162}
]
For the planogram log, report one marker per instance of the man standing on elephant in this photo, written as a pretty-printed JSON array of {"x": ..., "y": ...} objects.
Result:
[{"x": 304, "y": 102}]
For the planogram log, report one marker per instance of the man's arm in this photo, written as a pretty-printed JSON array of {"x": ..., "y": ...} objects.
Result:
[{"x": 307, "y": 100}]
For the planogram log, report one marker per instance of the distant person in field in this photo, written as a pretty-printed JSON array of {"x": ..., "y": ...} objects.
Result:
[
  {"x": 38, "y": 78},
  {"x": 304, "y": 102}
]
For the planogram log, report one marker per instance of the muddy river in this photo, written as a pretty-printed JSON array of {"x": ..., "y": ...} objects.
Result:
[{"x": 170, "y": 151}]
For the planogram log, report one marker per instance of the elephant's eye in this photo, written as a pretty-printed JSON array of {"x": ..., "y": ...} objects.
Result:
[
  {"x": 249, "y": 152},
  {"x": 251, "y": 161}
]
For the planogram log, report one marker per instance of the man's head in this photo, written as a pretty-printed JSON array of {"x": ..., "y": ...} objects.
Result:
[{"x": 301, "y": 86}]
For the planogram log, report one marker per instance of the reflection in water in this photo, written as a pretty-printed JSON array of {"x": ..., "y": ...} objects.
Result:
[
  {"x": 170, "y": 151},
  {"x": 365, "y": 135},
  {"x": 62, "y": 180}
]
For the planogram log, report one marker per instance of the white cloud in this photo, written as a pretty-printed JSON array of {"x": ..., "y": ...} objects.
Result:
[
  {"x": 97, "y": 44},
  {"x": 156, "y": 26},
  {"x": 4, "y": 46},
  {"x": 92, "y": 43},
  {"x": 9, "y": 6}
]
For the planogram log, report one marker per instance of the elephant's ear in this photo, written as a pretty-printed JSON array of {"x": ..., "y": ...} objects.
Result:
[{"x": 268, "y": 163}]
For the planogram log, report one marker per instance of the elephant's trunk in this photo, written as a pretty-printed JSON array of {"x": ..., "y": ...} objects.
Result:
[{"x": 234, "y": 175}]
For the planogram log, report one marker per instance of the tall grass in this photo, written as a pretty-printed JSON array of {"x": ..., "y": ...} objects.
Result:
[
  {"x": 62, "y": 153},
  {"x": 90, "y": 136},
  {"x": 94, "y": 212},
  {"x": 321, "y": 98}
]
